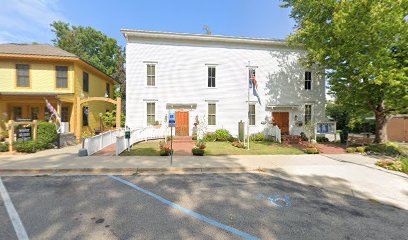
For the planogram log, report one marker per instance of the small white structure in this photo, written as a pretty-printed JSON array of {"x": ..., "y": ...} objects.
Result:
[{"x": 205, "y": 78}]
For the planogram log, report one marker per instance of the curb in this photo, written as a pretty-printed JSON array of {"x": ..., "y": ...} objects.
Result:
[{"x": 121, "y": 171}]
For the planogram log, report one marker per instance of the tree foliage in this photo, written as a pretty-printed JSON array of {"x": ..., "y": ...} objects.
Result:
[
  {"x": 94, "y": 47},
  {"x": 363, "y": 45}
]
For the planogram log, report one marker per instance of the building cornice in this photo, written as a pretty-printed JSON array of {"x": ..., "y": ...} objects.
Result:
[{"x": 142, "y": 34}]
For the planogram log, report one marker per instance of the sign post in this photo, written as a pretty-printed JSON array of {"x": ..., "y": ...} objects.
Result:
[{"x": 172, "y": 123}]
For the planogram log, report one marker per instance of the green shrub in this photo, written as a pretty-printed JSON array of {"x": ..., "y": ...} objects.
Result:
[
  {"x": 194, "y": 137},
  {"x": 404, "y": 163},
  {"x": 233, "y": 139},
  {"x": 303, "y": 136},
  {"x": 198, "y": 152},
  {"x": 46, "y": 135},
  {"x": 257, "y": 137},
  {"x": 311, "y": 150},
  {"x": 4, "y": 147},
  {"x": 322, "y": 139},
  {"x": 200, "y": 145},
  {"x": 210, "y": 137},
  {"x": 361, "y": 149},
  {"x": 351, "y": 149},
  {"x": 25, "y": 146},
  {"x": 222, "y": 135},
  {"x": 238, "y": 144},
  {"x": 388, "y": 149}
]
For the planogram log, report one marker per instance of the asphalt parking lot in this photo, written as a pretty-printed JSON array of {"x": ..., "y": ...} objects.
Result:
[{"x": 201, "y": 206}]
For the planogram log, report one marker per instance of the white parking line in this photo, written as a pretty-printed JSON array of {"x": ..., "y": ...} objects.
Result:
[{"x": 14, "y": 217}]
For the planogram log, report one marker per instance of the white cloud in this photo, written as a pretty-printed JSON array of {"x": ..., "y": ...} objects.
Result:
[{"x": 28, "y": 20}]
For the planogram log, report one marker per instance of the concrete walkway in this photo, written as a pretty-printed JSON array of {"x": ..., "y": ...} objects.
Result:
[{"x": 349, "y": 173}]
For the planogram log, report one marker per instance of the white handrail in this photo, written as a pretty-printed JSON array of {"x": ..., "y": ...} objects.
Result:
[
  {"x": 139, "y": 135},
  {"x": 98, "y": 142}
]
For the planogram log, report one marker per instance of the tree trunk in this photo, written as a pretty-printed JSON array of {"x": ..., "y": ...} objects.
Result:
[{"x": 381, "y": 119}]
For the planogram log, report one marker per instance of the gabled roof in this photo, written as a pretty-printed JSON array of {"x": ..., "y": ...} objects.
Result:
[
  {"x": 43, "y": 50},
  {"x": 34, "y": 49}
]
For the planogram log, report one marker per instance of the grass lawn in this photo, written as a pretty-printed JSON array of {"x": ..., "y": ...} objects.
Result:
[
  {"x": 143, "y": 149},
  {"x": 256, "y": 148}
]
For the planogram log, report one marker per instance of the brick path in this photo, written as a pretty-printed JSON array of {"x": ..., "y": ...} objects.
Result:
[
  {"x": 107, "y": 151},
  {"x": 323, "y": 148},
  {"x": 182, "y": 146}
]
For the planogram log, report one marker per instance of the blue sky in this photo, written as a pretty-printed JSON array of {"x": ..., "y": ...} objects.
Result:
[{"x": 28, "y": 21}]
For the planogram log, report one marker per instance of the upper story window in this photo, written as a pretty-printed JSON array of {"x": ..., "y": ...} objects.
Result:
[
  {"x": 308, "y": 80},
  {"x": 211, "y": 76},
  {"x": 308, "y": 113},
  {"x": 62, "y": 76},
  {"x": 252, "y": 114},
  {"x": 23, "y": 75},
  {"x": 85, "y": 82},
  {"x": 151, "y": 75},
  {"x": 107, "y": 89},
  {"x": 212, "y": 114}
]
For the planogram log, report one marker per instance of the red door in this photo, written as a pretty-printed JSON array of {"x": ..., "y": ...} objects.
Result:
[
  {"x": 282, "y": 120},
  {"x": 182, "y": 124}
]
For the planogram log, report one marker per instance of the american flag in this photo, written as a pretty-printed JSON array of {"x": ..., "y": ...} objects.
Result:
[{"x": 254, "y": 84}]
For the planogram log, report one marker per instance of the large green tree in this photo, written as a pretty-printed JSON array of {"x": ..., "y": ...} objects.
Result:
[
  {"x": 363, "y": 47},
  {"x": 94, "y": 47}
]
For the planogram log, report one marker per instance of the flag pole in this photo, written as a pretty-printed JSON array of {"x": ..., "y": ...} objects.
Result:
[{"x": 249, "y": 69}]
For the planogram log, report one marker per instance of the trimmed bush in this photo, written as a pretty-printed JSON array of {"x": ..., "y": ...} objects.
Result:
[
  {"x": 257, "y": 137},
  {"x": 311, "y": 150},
  {"x": 46, "y": 135},
  {"x": 351, "y": 149},
  {"x": 303, "y": 136},
  {"x": 198, "y": 152},
  {"x": 210, "y": 137},
  {"x": 389, "y": 149},
  {"x": 4, "y": 147},
  {"x": 361, "y": 149},
  {"x": 238, "y": 144},
  {"x": 322, "y": 139},
  {"x": 25, "y": 146},
  {"x": 222, "y": 135},
  {"x": 194, "y": 137}
]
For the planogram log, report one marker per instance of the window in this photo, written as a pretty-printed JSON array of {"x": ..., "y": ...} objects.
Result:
[
  {"x": 62, "y": 76},
  {"x": 211, "y": 76},
  {"x": 17, "y": 113},
  {"x": 65, "y": 114},
  {"x": 23, "y": 75},
  {"x": 35, "y": 111},
  {"x": 212, "y": 114},
  {"x": 151, "y": 117},
  {"x": 151, "y": 75},
  {"x": 252, "y": 114},
  {"x": 108, "y": 89},
  {"x": 308, "y": 80},
  {"x": 85, "y": 82},
  {"x": 308, "y": 113},
  {"x": 85, "y": 113}
]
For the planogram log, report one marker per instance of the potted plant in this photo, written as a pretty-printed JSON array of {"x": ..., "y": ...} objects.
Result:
[
  {"x": 165, "y": 149},
  {"x": 199, "y": 149}
]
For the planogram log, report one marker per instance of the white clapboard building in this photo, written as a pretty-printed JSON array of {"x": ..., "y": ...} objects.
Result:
[{"x": 205, "y": 78}]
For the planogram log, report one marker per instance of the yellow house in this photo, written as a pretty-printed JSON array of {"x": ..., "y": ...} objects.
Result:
[{"x": 32, "y": 74}]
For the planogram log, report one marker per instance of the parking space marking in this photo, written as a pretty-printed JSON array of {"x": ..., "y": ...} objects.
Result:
[
  {"x": 14, "y": 217},
  {"x": 186, "y": 211}
]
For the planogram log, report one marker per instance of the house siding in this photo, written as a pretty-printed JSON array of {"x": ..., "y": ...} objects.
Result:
[{"x": 181, "y": 77}]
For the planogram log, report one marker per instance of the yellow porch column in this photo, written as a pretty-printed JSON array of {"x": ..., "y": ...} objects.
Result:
[
  {"x": 78, "y": 121},
  {"x": 118, "y": 111}
]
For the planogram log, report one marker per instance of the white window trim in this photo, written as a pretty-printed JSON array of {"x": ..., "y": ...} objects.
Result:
[
  {"x": 155, "y": 112},
  {"x": 208, "y": 113},
  {"x": 146, "y": 63},
  {"x": 311, "y": 80},
  {"x": 211, "y": 66}
]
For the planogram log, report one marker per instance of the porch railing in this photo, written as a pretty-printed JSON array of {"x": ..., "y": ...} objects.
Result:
[
  {"x": 139, "y": 135},
  {"x": 98, "y": 142}
]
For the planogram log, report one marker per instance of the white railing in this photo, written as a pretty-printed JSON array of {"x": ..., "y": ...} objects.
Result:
[
  {"x": 275, "y": 132},
  {"x": 98, "y": 142},
  {"x": 139, "y": 135}
]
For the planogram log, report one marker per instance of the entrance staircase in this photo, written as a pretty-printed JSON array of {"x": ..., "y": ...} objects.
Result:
[{"x": 182, "y": 145}]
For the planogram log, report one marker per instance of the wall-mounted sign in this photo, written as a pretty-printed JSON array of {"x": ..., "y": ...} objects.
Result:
[
  {"x": 326, "y": 127},
  {"x": 24, "y": 134}
]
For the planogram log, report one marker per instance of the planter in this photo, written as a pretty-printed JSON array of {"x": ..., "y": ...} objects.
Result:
[
  {"x": 198, "y": 152},
  {"x": 165, "y": 152}
]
